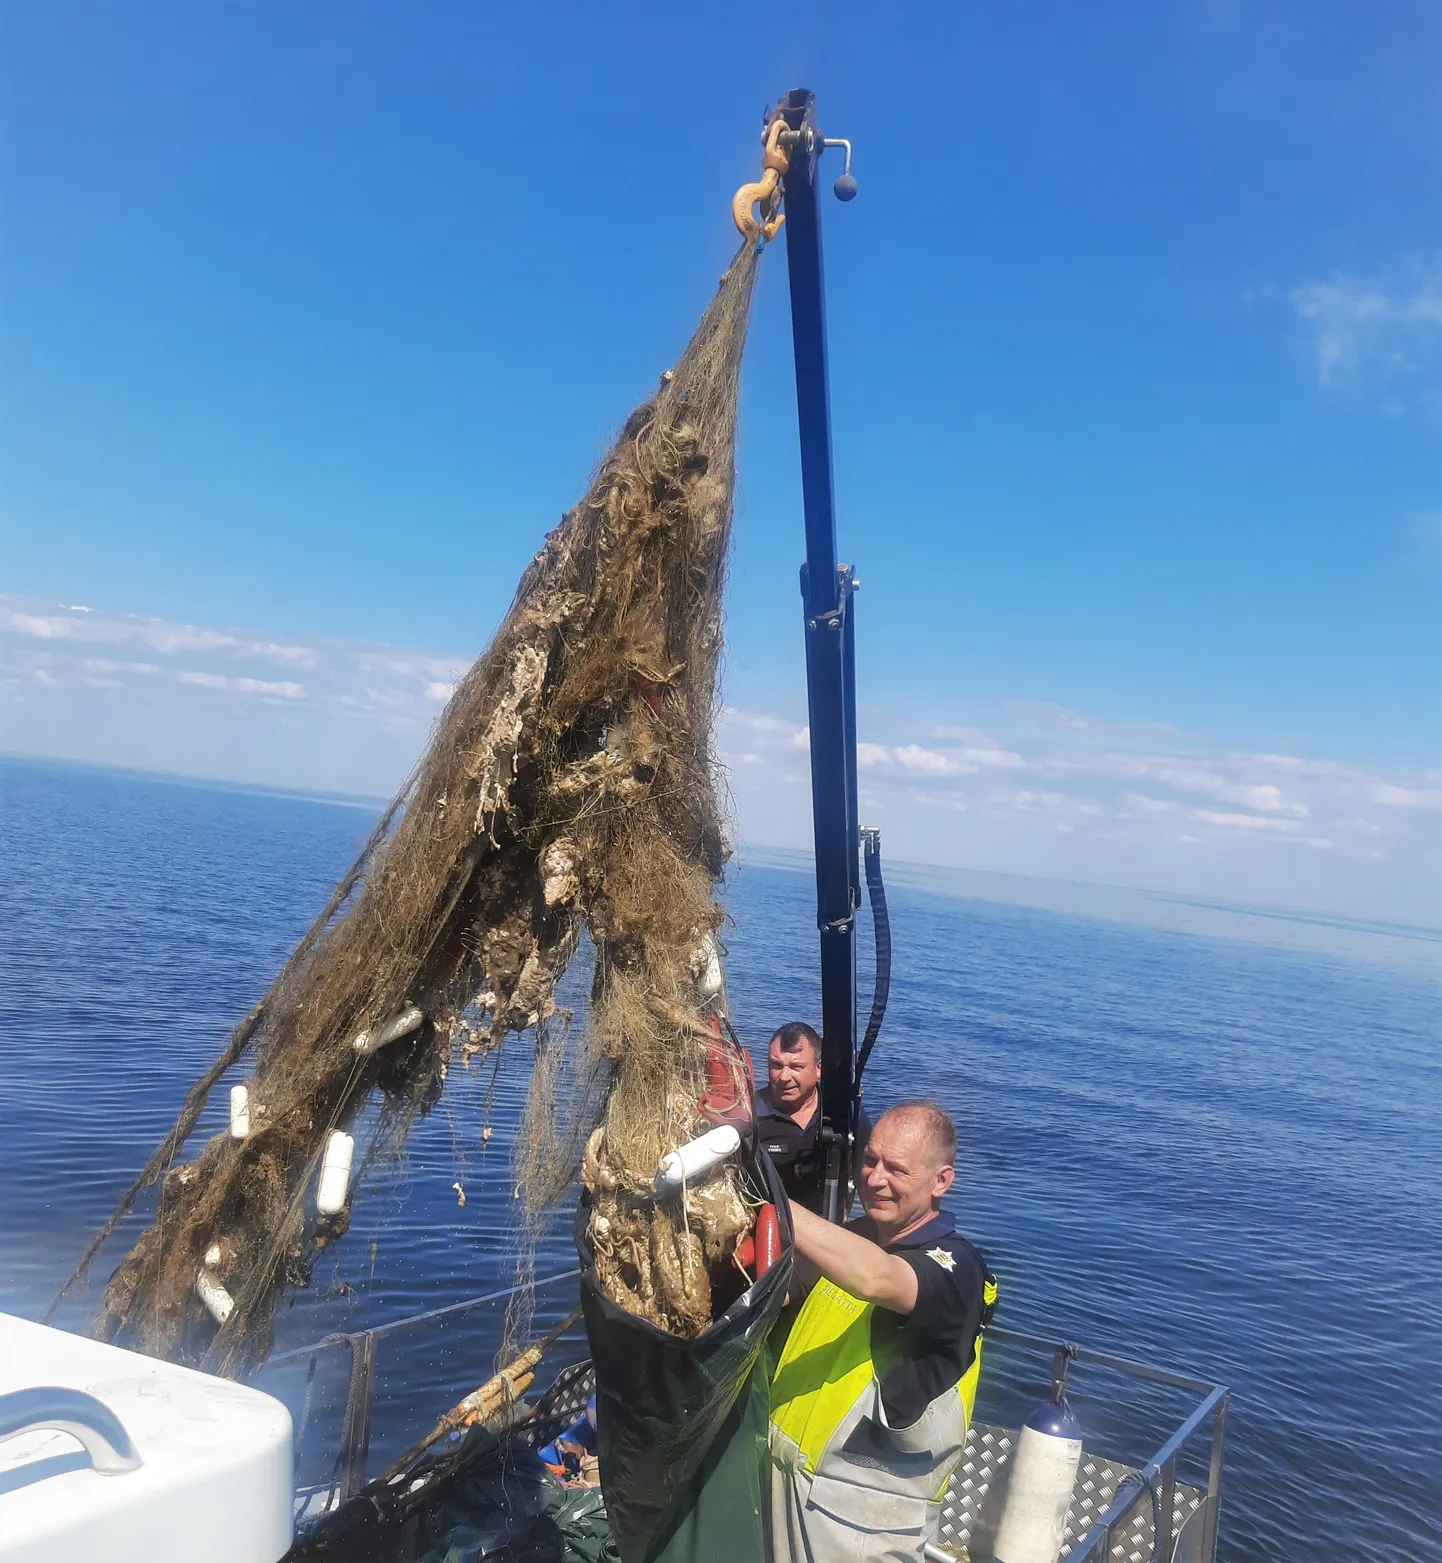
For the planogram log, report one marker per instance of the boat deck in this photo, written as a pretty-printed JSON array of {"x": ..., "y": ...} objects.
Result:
[
  {"x": 1115, "y": 1510},
  {"x": 971, "y": 1510}
]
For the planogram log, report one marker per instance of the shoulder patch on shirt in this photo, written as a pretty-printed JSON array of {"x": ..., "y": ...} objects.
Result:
[{"x": 945, "y": 1260}]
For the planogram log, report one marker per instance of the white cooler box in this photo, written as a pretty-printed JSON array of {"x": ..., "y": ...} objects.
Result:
[{"x": 213, "y": 1478}]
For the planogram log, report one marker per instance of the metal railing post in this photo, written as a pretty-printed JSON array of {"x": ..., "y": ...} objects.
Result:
[
  {"x": 356, "y": 1429},
  {"x": 1166, "y": 1505},
  {"x": 1214, "y": 1481}
]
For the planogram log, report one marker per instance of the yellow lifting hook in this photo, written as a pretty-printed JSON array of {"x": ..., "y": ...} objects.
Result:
[{"x": 763, "y": 192}]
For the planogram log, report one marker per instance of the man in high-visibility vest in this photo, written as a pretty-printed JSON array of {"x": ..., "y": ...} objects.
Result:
[{"x": 874, "y": 1389}]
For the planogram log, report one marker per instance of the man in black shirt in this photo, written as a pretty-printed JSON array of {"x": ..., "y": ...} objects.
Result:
[
  {"x": 788, "y": 1113},
  {"x": 873, "y": 1394}
]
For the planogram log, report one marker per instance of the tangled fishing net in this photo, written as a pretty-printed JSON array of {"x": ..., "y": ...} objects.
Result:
[{"x": 570, "y": 788}]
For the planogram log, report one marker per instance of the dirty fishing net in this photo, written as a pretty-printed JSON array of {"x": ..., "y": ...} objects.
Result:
[{"x": 569, "y": 789}]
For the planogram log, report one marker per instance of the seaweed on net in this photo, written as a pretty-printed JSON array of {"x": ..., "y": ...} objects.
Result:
[{"x": 570, "y": 787}]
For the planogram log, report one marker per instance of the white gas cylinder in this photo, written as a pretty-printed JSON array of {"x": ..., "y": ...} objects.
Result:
[{"x": 1043, "y": 1473}]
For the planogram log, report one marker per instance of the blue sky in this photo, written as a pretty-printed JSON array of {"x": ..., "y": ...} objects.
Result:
[{"x": 314, "y": 319}]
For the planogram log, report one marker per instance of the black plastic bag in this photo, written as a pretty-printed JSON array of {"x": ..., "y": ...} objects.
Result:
[{"x": 681, "y": 1424}]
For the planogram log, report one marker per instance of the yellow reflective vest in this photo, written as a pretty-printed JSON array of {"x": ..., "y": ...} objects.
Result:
[{"x": 845, "y": 1484}]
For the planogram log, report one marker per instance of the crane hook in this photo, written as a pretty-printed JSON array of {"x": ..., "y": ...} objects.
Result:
[{"x": 764, "y": 192}]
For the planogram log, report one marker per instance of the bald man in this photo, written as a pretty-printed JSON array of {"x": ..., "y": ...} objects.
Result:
[{"x": 873, "y": 1394}]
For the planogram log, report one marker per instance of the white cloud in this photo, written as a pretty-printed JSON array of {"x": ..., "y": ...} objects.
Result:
[
  {"x": 1049, "y": 802},
  {"x": 1394, "y": 797},
  {"x": 915, "y": 757},
  {"x": 1142, "y": 804},
  {"x": 1265, "y": 797},
  {"x": 1087, "y": 804},
  {"x": 761, "y": 731},
  {"x": 37, "y": 628},
  {"x": 1103, "y": 802},
  {"x": 1056, "y": 716},
  {"x": 1244, "y": 821},
  {"x": 110, "y": 665},
  {"x": 930, "y": 761},
  {"x": 125, "y": 690},
  {"x": 442, "y": 670},
  {"x": 281, "y": 690},
  {"x": 93, "y": 629},
  {"x": 952, "y": 802},
  {"x": 992, "y": 759},
  {"x": 1379, "y": 329},
  {"x": 1295, "y": 763}
]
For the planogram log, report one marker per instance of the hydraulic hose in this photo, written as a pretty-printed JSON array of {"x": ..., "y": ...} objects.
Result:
[{"x": 876, "y": 891}]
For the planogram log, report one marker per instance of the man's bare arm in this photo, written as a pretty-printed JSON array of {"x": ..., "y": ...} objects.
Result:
[{"x": 855, "y": 1263}]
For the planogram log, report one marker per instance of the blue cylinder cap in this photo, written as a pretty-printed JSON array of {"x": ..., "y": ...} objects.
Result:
[{"x": 1055, "y": 1419}]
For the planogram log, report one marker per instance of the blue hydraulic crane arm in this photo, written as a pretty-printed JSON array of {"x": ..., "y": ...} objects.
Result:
[{"x": 828, "y": 601}]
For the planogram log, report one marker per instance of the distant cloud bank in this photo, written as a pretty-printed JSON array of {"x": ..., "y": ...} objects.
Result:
[
  {"x": 81, "y": 684},
  {"x": 1067, "y": 796},
  {"x": 1051, "y": 792}
]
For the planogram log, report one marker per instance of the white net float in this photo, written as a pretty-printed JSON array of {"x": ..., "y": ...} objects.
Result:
[{"x": 693, "y": 1161}]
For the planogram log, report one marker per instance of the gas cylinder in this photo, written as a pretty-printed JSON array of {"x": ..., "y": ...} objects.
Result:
[{"x": 1043, "y": 1473}]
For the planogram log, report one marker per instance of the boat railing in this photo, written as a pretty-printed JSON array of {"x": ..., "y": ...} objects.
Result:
[
  {"x": 349, "y": 1473},
  {"x": 1118, "y": 1510}
]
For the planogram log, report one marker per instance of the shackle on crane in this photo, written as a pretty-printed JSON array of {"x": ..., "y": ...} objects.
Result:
[{"x": 765, "y": 193}]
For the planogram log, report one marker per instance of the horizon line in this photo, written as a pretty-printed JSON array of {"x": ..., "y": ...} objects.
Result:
[{"x": 1427, "y": 932}]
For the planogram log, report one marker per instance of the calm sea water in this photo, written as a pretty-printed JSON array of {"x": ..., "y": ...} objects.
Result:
[{"x": 1218, "y": 1154}]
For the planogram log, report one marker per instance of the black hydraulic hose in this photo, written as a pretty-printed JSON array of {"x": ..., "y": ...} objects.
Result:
[{"x": 871, "y": 841}]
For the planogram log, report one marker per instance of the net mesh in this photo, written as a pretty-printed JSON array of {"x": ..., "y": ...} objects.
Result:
[{"x": 570, "y": 788}]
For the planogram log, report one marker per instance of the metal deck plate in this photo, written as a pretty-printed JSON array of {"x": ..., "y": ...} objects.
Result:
[
  {"x": 561, "y": 1405},
  {"x": 971, "y": 1510}
]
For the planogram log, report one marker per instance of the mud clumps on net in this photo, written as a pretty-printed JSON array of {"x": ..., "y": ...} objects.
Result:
[{"x": 569, "y": 787}]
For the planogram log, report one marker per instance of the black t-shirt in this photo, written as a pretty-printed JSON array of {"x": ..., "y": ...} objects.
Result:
[
  {"x": 797, "y": 1151},
  {"x": 920, "y": 1354}
]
